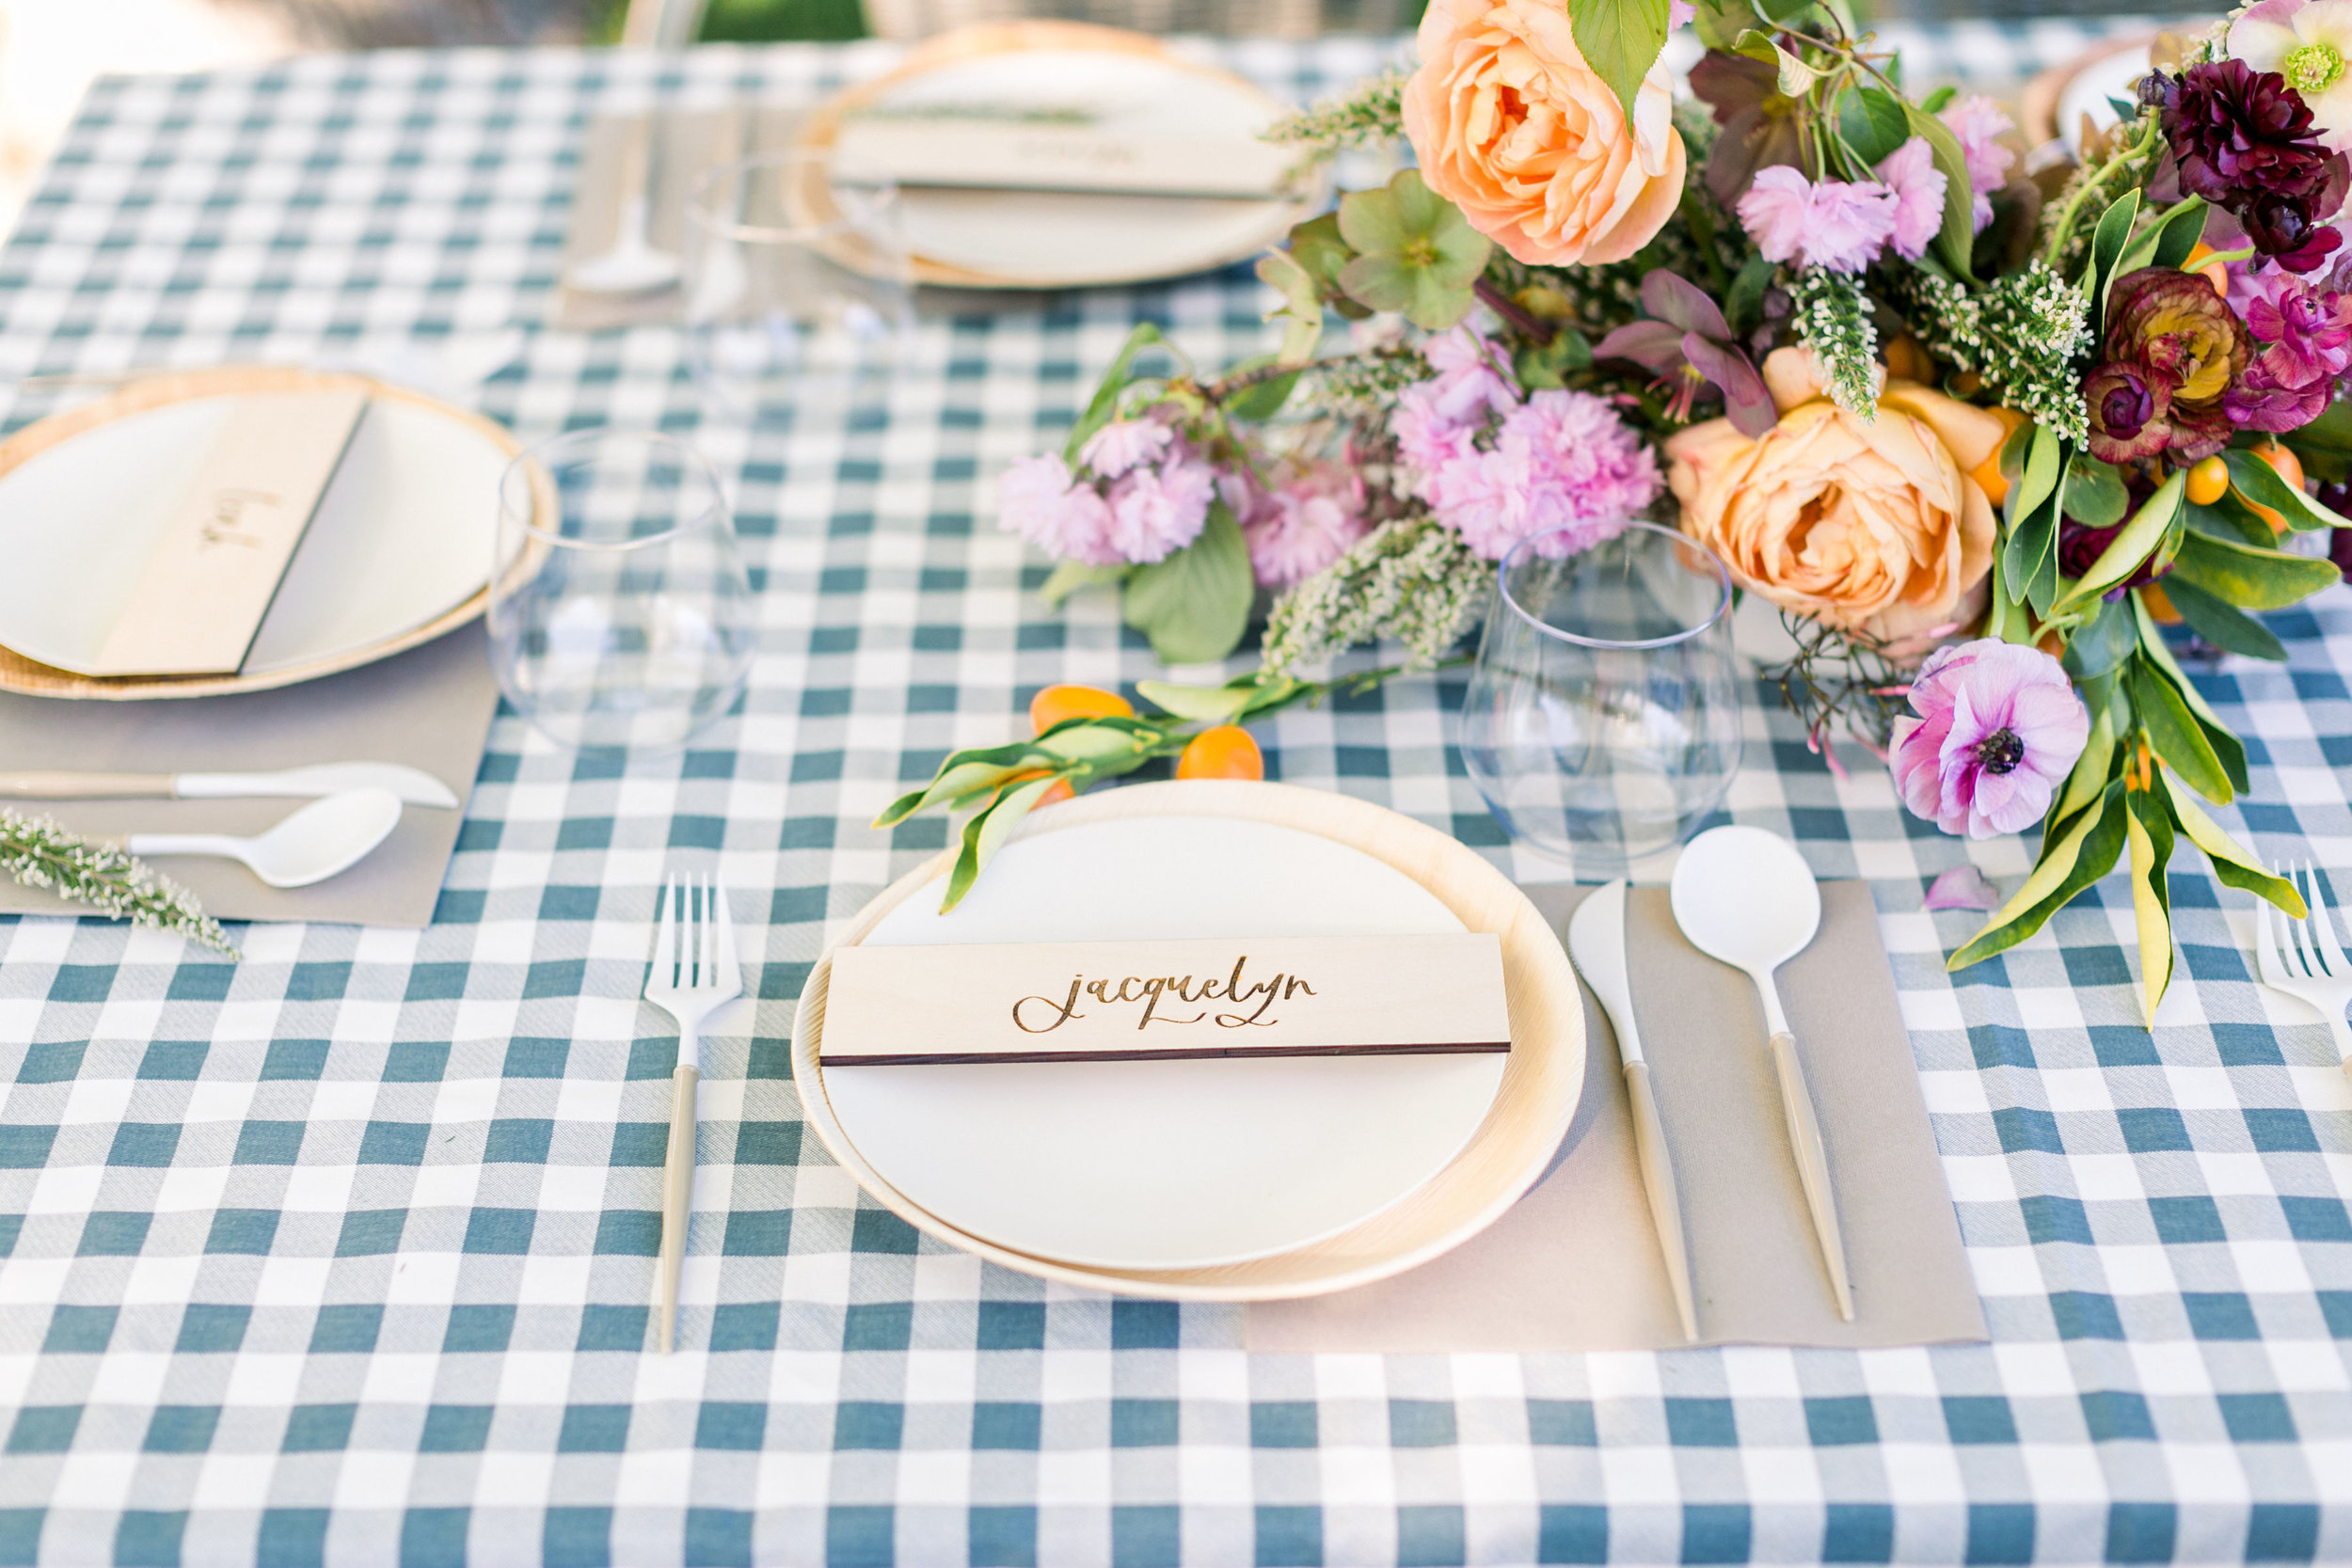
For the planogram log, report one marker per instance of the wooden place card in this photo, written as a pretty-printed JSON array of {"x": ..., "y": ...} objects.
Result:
[
  {"x": 1122, "y": 1001},
  {"x": 198, "y": 603},
  {"x": 1016, "y": 155}
]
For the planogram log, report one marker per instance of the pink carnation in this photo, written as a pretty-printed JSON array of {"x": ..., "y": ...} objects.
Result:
[
  {"x": 1978, "y": 123},
  {"x": 1040, "y": 501},
  {"x": 1911, "y": 174},
  {"x": 1831, "y": 225},
  {"x": 1997, "y": 728},
  {"x": 1156, "y": 512},
  {"x": 1124, "y": 444},
  {"x": 1303, "y": 525}
]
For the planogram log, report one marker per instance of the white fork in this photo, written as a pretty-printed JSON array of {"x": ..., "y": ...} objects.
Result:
[
  {"x": 689, "y": 983},
  {"x": 2301, "y": 958}
]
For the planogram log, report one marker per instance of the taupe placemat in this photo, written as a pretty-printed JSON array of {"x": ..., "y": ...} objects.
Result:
[
  {"x": 1575, "y": 1266},
  {"x": 429, "y": 707}
]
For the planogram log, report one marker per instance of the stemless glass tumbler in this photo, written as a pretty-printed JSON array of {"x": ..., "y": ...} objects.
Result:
[
  {"x": 799, "y": 289},
  {"x": 1602, "y": 719},
  {"x": 620, "y": 614}
]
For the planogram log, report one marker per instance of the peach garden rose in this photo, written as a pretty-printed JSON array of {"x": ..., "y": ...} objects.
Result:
[
  {"x": 1514, "y": 128},
  {"x": 1874, "y": 526}
]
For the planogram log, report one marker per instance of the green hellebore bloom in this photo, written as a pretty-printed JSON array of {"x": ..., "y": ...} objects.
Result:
[{"x": 1415, "y": 252}]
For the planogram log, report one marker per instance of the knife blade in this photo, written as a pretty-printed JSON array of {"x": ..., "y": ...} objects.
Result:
[
  {"x": 412, "y": 784},
  {"x": 1597, "y": 942}
]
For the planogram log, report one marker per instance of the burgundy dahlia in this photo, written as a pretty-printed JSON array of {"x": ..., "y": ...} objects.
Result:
[
  {"x": 2243, "y": 139},
  {"x": 2128, "y": 405}
]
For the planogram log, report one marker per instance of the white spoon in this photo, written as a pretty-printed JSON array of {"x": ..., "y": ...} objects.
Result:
[
  {"x": 1746, "y": 897},
  {"x": 322, "y": 840}
]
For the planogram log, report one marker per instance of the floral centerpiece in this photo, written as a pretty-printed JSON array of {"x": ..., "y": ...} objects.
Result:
[{"x": 1979, "y": 435}]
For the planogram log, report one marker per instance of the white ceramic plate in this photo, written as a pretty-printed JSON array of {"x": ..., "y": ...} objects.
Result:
[
  {"x": 2091, "y": 91},
  {"x": 1056, "y": 239},
  {"x": 403, "y": 535},
  {"x": 1166, "y": 1164}
]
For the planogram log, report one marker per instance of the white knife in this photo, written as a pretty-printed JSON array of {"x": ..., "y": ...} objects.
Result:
[
  {"x": 411, "y": 784},
  {"x": 1597, "y": 942}
]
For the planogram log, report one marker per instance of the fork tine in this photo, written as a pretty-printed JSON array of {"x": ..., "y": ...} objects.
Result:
[
  {"x": 707, "y": 974},
  {"x": 2324, "y": 928},
  {"x": 694, "y": 933},
  {"x": 730, "y": 972},
  {"x": 2312, "y": 966},
  {"x": 665, "y": 934},
  {"x": 2266, "y": 960}
]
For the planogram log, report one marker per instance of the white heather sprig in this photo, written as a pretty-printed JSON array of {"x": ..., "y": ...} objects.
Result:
[
  {"x": 39, "y": 853},
  {"x": 1413, "y": 579},
  {"x": 2026, "y": 333},
  {"x": 1834, "y": 321},
  {"x": 1370, "y": 116}
]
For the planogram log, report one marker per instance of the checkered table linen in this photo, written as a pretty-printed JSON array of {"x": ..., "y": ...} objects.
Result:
[{"x": 344, "y": 1254}]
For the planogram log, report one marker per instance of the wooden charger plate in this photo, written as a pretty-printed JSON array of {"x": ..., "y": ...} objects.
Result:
[
  {"x": 1542, "y": 1078},
  {"x": 30, "y": 677}
]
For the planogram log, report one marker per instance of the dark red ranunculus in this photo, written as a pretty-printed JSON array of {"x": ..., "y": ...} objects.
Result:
[
  {"x": 2129, "y": 408},
  {"x": 2243, "y": 139}
]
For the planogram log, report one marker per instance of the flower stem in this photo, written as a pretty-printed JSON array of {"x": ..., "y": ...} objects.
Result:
[{"x": 1522, "y": 319}]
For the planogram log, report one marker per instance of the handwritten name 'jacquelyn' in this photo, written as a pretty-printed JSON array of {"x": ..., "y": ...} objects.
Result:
[{"x": 1154, "y": 989}]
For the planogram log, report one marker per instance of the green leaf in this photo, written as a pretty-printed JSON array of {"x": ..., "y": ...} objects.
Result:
[
  {"x": 964, "y": 773},
  {"x": 2091, "y": 772},
  {"x": 1302, "y": 305},
  {"x": 1321, "y": 250},
  {"x": 2324, "y": 445},
  {"x": 1093, "y": 738},
  {"x": 1195, "y": 605},
  {"x": 986, "y": 833},
  {"x": 1959, "y": 235},
  {"x": 1208, "y": 705},
  {"x": 1873, "y": 121},
  {"x": 2149, "y": 832},
  {"x": 1115, "y": 380},
  {"x": 2235, "y": 866},
  {"x": 1544, "y": 366},
  {"x": 2031, "y": 508},
  {"x": 2259, "y": 484},
  {"x": 1620, "y": 41},
  {"x": 2095, "y": 495},
  {"x": 2177, "y": 236},
  {"x": 2231, "y": 518},
  {"x": 2102, "y": 644},
  {"x": 2134, "y": 545},
  {"x": 1069, "y": 575},
  {"x": 2166, "y": 241},
  {"x": 1719, "y": 23},
  {"x": 1264, "y": 399},
  {"x": 2220, "y": 623},
  {"x": 2175, "y": 733},
  {"x": 2228, "y": 747},
  {"x": 2106, "y": 246},
  {"x": 2082, "y": 855},
  {"x": 1796, "y": 77},
  {"x": 1934, "y": 102},
  {"x": 1743, "y": 306},
  {"x": 2249, "y": 577}
]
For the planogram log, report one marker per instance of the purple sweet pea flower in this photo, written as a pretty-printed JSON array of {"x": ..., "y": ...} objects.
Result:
[
  {"x": 1687, "y": 344},
  {"x": 1997, "y": 728},
  {"x": 1910, "y": 173},
  {"x": 1831, "y": 224}
]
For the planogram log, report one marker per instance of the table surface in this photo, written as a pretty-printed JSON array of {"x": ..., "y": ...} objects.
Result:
[{"x": 343, "y": 1254}]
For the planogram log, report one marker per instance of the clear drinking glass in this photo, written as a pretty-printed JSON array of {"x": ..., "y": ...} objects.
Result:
[
  {"x": 620, "y": 614},
  {"x": 1602, "y": 719},
  {"x": 799, "y": 291}
]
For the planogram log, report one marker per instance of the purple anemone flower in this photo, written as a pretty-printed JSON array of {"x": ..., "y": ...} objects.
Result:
[{"x": 1996, "y": 729}]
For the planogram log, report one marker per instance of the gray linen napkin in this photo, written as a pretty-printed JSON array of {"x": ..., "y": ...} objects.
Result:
[
  {"x": 1575, "y": 1266},
  {"x": 429, "y": 707}
]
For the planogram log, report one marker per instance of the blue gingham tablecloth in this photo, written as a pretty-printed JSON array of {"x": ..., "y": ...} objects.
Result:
[{"x": 343, "y": 1254}]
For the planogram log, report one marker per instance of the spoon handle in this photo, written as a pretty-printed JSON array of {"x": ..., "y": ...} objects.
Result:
[
  {"x": 217, "y": 845},
  {"x": 1805, "y": 1138}
]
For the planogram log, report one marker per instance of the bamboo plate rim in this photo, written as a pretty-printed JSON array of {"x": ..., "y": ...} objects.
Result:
[
  {"x": 31, "y": 679},
  {"x": 1543, "y": 1076},
  {"x": 813, "y": 195}
]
